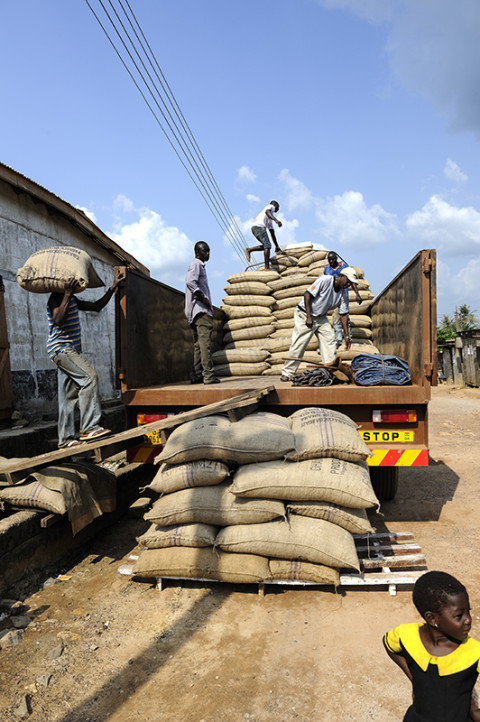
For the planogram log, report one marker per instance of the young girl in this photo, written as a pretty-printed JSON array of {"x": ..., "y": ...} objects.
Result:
[{"x": 439, "y": 658}]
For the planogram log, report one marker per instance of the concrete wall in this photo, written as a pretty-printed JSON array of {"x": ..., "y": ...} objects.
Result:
[{"x": 27, "y": 226}]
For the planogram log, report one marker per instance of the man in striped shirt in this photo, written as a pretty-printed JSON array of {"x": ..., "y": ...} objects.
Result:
[{"x": 77, "y": 380}]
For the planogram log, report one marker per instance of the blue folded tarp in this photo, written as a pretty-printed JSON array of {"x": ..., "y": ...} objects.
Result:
[{"x": 378, "y": 369}]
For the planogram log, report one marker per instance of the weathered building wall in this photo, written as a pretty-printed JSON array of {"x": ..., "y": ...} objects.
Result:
[{"x": 27, "y": 226}]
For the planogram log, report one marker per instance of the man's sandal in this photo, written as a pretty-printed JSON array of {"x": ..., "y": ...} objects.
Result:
[
  {"x": 247, "y": 254},
  {"x": 94, "y": 433},
  {"x": 69, "y": 444}
]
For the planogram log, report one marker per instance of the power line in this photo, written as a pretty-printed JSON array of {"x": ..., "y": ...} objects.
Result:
[{"x": 174, "y": 125}]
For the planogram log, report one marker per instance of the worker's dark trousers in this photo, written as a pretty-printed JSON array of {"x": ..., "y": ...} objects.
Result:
[{"x": 202, "y": 327}]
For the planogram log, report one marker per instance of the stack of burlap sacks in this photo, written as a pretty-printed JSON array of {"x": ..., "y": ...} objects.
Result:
[
  {"x": 259, "y": 307},
  {"x": 261, "y": 499}
]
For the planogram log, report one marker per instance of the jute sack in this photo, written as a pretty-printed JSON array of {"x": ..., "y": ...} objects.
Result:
[
  {"x": 318, "y": 267},
  {"x": 259, "y": 275},
  {"x": 294, "y": 570},
  {"x": 240, "y": 355},
  {"x": 242, "y": 334},
  {"x": 288, "y": 302},
  {"x": 234, "y": 324},
  {"x": 248, "y": 287},
  {"x": 308, "y": 357},
  {"x": 298, "y": 249},
  {"x": 334, "y": 480},
  {"x": 353, "y": 520},
  {"x": 358, "y": 332},
  {"x": 358, "y": 271},
  {"x": 206, "y": 563},
  {"x": 366, "y": 295},
  {"x": 203, "y": 472},
  {"x": 301, "y": 537},
  {"x": 360, "y": 321},
  {"x": 47, "y": 270},
  {"x": 241, "y": 369},
  {"x": 212, "y": 505},
  {"x": 283, "y": 313},
  {"x": 324, "y": 433},
  {"x": 257, "y": 437},
  {"x": 311, "y": 257},
  {"x": 362, "y": 309},
  {"x": 274, "y": 370},
  {"x": 284, "y": 323},
  {"x": 249, "y": 300},
  {"x": 181, "y": 535},
  {"x": 286, "y": 282},
  {"x": 248, "y": 343},
  {"x": 246, "y": 311},
  {"x": 292, "y": 291},
  {"x": 34, "y": 495},
  {"x": 283, "y": 261},
  {"x": 358, "y": 346}
]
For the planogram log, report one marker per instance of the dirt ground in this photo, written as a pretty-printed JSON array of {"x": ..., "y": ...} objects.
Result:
[{"x": 103, "y": 647}]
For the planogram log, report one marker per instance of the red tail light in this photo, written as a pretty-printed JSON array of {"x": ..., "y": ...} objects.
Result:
[{"x": 394, "y": 416}]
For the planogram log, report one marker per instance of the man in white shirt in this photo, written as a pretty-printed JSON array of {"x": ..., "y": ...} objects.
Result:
[
  {"x": 262, "y": 222},
  {"x": 310, "y": 317}
]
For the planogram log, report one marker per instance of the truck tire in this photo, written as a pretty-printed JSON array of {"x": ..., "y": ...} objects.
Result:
[{"x": 384, "y": 481}]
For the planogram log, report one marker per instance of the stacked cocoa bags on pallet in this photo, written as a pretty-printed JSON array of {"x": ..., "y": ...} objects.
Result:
[
  {"x": 259, "y": 307},
  {"x": 262, "y": 499}
]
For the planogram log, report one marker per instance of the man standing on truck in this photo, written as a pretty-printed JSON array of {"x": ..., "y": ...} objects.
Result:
[
  {"x": 262, "y": 224},
  {"x": 77, "y": 380},
  {"x": 333, "y": 269},
  {"x": 199, "y": 313},
  {"x": 310, "y": 317}
]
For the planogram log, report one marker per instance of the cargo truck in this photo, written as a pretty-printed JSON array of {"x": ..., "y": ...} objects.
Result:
[{"x": 154, "y": 357}]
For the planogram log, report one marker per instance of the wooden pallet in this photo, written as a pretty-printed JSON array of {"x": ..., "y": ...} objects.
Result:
[{"x": 378, "y": 555}]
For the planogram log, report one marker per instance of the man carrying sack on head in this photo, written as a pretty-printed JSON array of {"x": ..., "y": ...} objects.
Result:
[{"x": 325, "y": 294}]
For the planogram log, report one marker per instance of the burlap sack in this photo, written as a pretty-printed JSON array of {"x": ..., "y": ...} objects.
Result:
[
  {"x": 283, "y": 313},
  {"x": 366, "y": 295},
  {"x": 249, "y": 343},
  {"x": 290, "y": 302},
  {"x": 361, "y": 333},
  {"x": 203, "y": 472},
  {"x": 212, "y": 505},
  {"x": 257, "y": 437},
  {"x": 360, "y": 309},
  {"x": 241, "y": 369},
  {"x": 274, "y": 370},
  {"x": 287, "y": 272},
  {"x": 288, "y": 281},
  {"x": 34, "y": 495},
  {"x": 242, "y": 334},
  {"x": 245, "y": 300},
  {"x": 206, "y": 563},
  {"x": 246, "y": 311},
  {"x": 303, "y": 538},
  {"x": 291, "y": 292},
  {"x": 259, "y": 275},
  {"x": 284, "y": 261},
  {"x": 181, "y": 535},
  {"x": 353, "y": 520},
  {"x": 294, "y": 570},
  {"x": 311, "y": 257},
  {"x": 325, "y": 433},
  {"x": 318, "y": 267},
  {"x": 360, "y": 321},
  {"x": 47, "y": 270},
  {"x": 358, "y": 271},
  {"x": 240, "y": 355},
  {"x": 234, "y": 324},
  {"x": 248, "y": 287},
  {"x": 297, "y": 250},
  {"x": 341, "y": 482},
  {"x": 284, "y": 323},
  {"x": 308, "y": 357}
]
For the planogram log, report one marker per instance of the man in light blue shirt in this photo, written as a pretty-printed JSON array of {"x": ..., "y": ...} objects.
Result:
[
  {"x": 199, "y": 313},
  {"x": 325, "y": 294}
]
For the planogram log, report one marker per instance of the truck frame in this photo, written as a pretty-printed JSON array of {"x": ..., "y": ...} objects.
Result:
[{"x": 154, "y": 357}]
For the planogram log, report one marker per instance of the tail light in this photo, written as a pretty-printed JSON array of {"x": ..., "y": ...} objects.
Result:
[{"x": 394, "y": 416}]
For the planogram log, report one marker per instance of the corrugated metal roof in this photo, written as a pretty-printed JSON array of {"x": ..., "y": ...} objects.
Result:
[{"x": 22, "y": 184}]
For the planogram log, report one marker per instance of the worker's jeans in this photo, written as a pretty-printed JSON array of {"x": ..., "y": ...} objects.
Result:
[
  {"x": 77, "y": 381},
  {"x": 301, "y": 336},
  {"x": 202, "y": 327}
]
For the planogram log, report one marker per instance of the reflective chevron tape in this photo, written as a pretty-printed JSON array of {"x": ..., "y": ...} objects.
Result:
[
  {"x": 142, "y": 454},
  {"x": 398, "y": 457}
]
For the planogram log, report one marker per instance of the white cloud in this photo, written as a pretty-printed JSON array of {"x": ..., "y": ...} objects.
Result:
[
  {"x": 123, "y": 204},
  {"x": 298, "y": 196},
  {"x": 89, "y": 214},
  {"x": 165, "y": 250},
  {"x": 455, "y": 288},
  {"x": 252, "y": 199},
  {"x": 246, "y": 175},
  {"x": 347, "y": 220},
  {"x": 433, "y": 49},
  {"x": 442, "y": 225},
  {"x": 453, "y": 172}
]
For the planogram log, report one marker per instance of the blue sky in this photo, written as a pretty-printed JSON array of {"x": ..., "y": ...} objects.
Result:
[{"x": 361, "y": 117}]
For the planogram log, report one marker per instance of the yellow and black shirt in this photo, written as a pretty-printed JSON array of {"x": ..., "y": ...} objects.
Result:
[{"x": 442, "y": 686}]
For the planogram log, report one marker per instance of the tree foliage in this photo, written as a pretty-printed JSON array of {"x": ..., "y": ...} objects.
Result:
[{"x": 464, "y": 319}]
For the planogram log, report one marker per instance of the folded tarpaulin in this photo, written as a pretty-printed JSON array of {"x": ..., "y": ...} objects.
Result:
[{"x": 379, "y": 369}]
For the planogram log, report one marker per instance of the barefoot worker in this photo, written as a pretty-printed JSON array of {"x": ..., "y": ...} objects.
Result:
[{"x": 261, "y": 225}]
